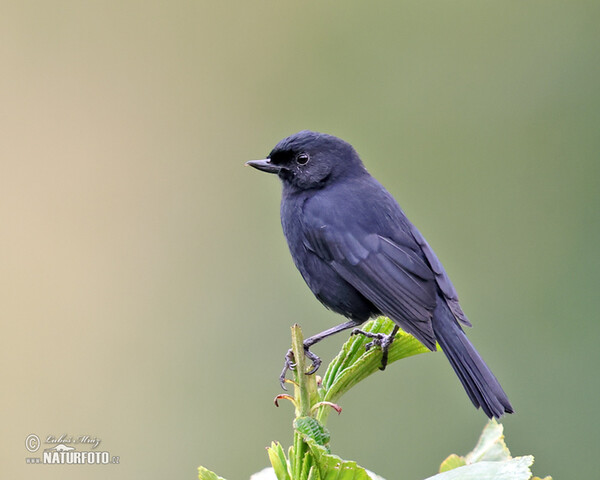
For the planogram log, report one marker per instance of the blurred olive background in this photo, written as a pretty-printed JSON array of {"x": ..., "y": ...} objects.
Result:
[{"x": 147, "y": 292}]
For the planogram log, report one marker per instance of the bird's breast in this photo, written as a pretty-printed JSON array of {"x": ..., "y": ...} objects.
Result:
[{"x": 325, "y": 283}]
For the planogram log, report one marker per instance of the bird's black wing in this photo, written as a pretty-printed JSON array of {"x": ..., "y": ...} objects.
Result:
[
  {"x": 441, "y": 278},
  {"x": 391, "y": 274}
]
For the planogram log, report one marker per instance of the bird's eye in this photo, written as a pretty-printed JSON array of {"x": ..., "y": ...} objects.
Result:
[{"x": 302, "y": 159}]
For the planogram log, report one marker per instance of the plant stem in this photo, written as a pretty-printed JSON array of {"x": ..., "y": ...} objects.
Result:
[
  {"x": 305, "y": 392},
  {"x": 302, "y": 389}
]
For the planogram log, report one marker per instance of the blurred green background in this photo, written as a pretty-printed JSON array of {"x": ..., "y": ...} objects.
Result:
[{"x": 147, "y": 292}]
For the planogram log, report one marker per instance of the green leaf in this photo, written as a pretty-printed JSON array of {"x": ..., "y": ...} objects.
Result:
[
  {"x": 311, "y": 428},
  {"x": 332, "y": 467},
  {"x": 453, "y": 461},
  {"x": 490, "y": 446},
  {"x": 354, "y": 363},
  {"x": 205, "y": 474},
  {"x": 514, "y": 469},
  {"x": 265, "y": 474},
  {"x": 278, "y": 461},
  {"x": 307, "y": 466},
  {"x": 314, "y": 474},
  {"x": 269, "y": 474},
  {"x": 489, "y": 460}
]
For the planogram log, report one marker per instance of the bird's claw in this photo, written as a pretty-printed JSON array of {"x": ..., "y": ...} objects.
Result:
[
  {"x": 379, "y": 340},
  {"x": 290, "y": 364},
  {"x": 316, "y": 361}
]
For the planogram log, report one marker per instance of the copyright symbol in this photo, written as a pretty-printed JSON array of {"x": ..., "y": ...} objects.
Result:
[{"x": 32, "y": 443}]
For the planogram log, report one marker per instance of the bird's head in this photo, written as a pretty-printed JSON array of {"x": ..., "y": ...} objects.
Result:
[{"x": 308, "y": 160}]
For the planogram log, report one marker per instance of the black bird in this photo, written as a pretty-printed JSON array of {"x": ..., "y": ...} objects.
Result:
[{"x": 362, "y": 257}]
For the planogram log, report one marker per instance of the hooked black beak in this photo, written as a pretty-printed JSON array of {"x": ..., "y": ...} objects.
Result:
[{"x": 264, "y": 165}]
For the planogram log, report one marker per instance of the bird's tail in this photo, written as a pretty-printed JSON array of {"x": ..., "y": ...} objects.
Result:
[{"x": 479, "y": 382}]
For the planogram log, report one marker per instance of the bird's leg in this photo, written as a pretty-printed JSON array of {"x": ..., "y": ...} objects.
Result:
[
  {"x": 379, "y": 339},
  {"x": 290, "y": 364}
]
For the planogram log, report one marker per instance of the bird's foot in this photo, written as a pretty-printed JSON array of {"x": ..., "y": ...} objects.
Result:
[
  {"x": 290, "y": 364},
  {"x": 379, "y": 340}
]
